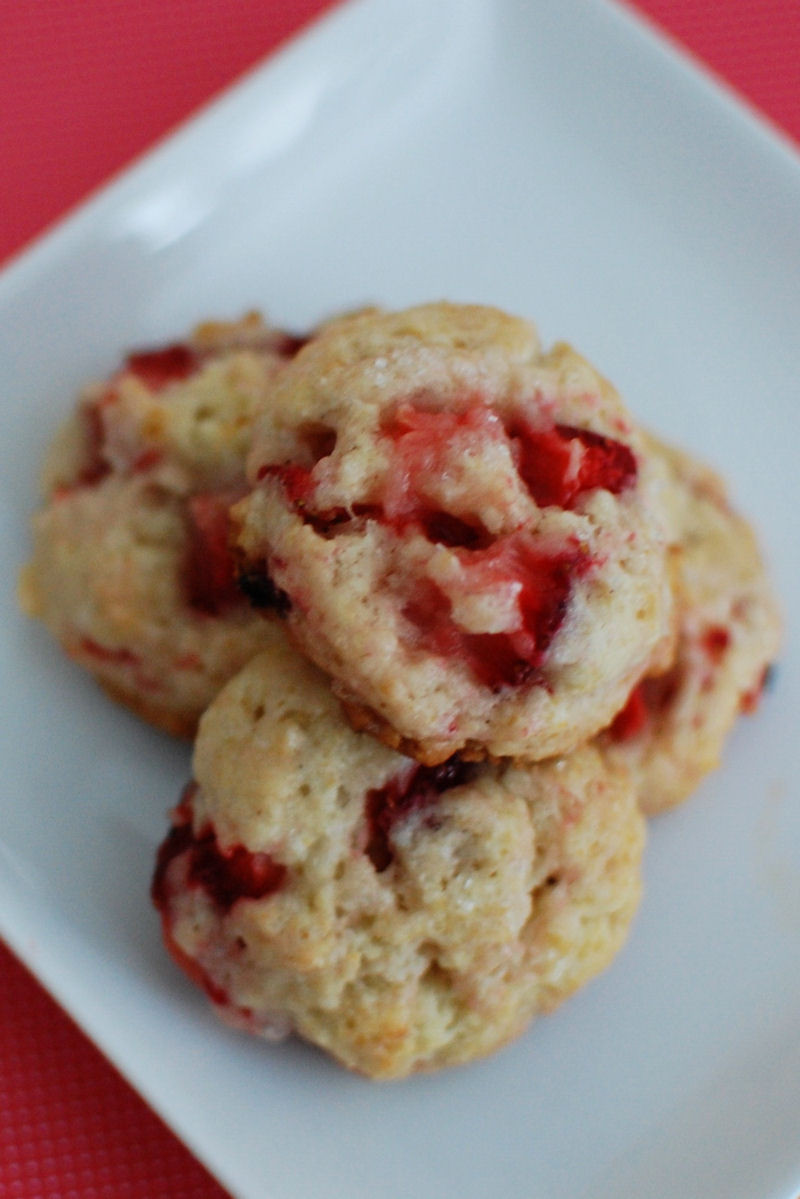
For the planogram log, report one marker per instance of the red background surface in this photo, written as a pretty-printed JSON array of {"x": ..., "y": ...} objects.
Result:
[{"x": 84, "y": 87}]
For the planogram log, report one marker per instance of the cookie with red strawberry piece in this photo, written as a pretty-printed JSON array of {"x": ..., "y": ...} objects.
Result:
[
  {"x": 131, "y": 569},
  {"x": 403, "y": 917},
  {"x": 461, "y": 529},
  {"x": 673, "y": 728}
]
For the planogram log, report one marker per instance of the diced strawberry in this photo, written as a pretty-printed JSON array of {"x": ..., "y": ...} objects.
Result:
[
  {"x": 298, "y": 485},
  {"x": 226, "y": 875},
  {"x": 631, "y": 720},
  {"x": 147, "y": 460},
  {"x": 288, "y": 344},
  {"x": 295, "y": 479},
  {"x": 95, "y": 467},
  {"x": 233, "y": 874},
  {"x": 209, "y": 572},
  {"x": 160, "y": 367},
  {"x": 415, "y": 788},
  {"x": 502, "y": 659},
  {"x": 561, "y": 464},
  {"x": 716, "y": 640},
  {"x": 422, "y": 440}
]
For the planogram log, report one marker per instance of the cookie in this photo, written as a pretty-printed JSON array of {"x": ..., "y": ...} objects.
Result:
[
  {"x": 401, "y": 916},
  {"x": 461, "y": 529},
  {"x": 131, "y": 570},
  {"x": 672, "y": 730}
]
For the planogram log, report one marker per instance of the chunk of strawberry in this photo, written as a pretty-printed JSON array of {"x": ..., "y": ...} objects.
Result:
[
  {"x": 209, "y": 572},
  {"x": 502, "y": 659},
  {"x": 415, "y": 788},
  {"x": 226, "y": 875},
  {"x": 160, "y": 367},
  {"x": 630, "y": 720},
  {"x": 560, "y": 465}
]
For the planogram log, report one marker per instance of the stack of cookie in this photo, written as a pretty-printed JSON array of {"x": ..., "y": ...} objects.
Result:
[{"x": 490, "y": 623}]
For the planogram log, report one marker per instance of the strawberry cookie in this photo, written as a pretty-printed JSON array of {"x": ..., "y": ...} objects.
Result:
[
  {"x": 461, "y": 529},
  {"x": 401, "y": 916},
  {"x": 673, "y": 728},
  {"x": 131, "y": 570}
]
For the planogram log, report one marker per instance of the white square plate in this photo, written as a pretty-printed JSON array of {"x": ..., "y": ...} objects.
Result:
[{"x": 555, "y": 158}]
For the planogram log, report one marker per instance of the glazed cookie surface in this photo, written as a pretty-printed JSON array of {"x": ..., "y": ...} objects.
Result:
[
  {"x": 673, "y": 728},
  {"x": 462, "y": 530},
  {"x": 131, "y": 569},
  {"x": 403, "y": 917}
]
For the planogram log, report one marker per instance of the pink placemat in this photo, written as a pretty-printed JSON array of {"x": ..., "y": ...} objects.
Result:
[{"x": 84, "y": 88}]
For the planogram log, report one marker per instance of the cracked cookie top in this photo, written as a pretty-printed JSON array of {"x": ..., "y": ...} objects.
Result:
[{"x": 461, "y": 529}]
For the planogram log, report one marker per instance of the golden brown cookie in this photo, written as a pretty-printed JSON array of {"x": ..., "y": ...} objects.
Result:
[
  {"x": 403, "y": 917},
  {"x": 461, "y": 529}
]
